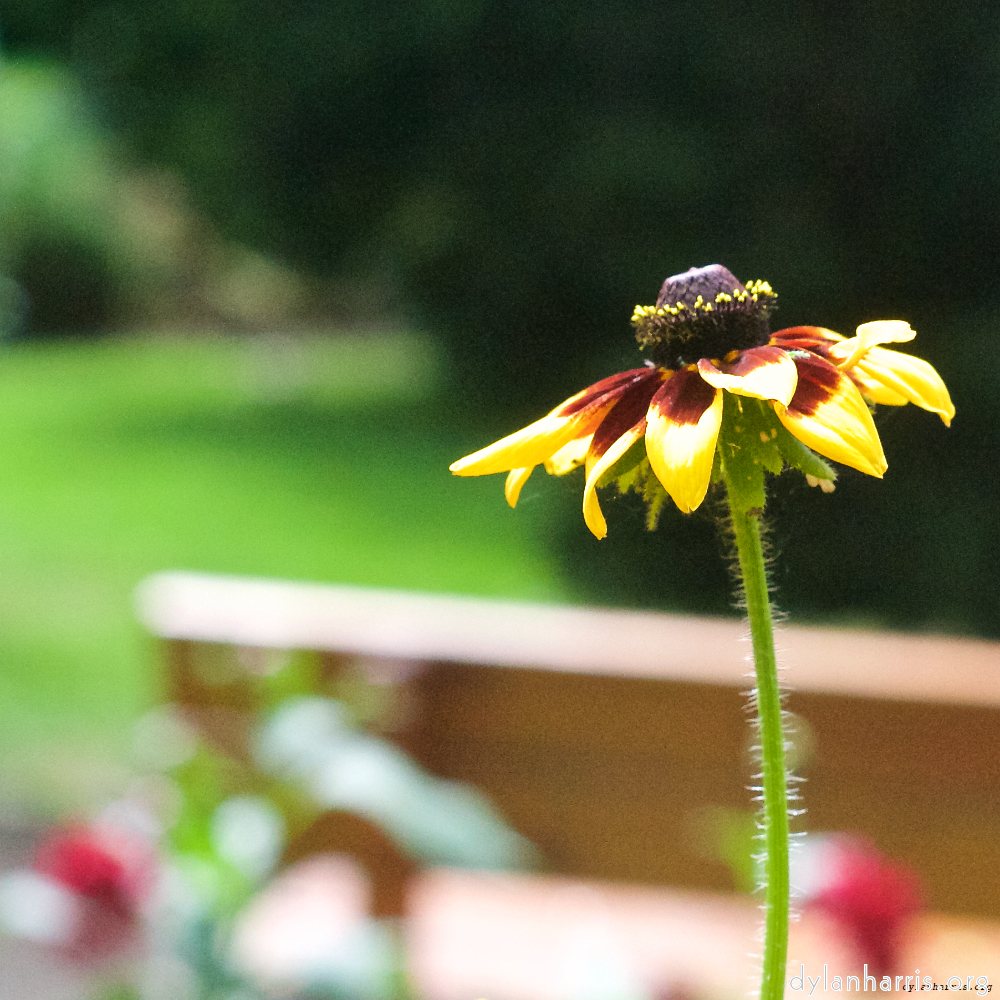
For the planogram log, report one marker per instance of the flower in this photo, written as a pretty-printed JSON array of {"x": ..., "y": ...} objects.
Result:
[
  {"x": 870, "y": 896},
  {"x": 85, "y": 892},
  {"x": 658, "y": 427},
  {"x": 79, "y": 861}
]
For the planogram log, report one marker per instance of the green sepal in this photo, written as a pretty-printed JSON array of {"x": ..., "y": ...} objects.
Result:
[
  {"x": 624, "y": 465},
  {"x": 748, "y": 448},
  {"x": 637, "y": 475},
  {"x": 802, "y": 457},
  {"x": 717, "y": 465},
  {"x": 753, "y": 441},
  {"x": 655, "y": 496}
]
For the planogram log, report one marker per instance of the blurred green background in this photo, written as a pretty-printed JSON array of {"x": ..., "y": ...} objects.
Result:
[{"x": 266, "y": 269}]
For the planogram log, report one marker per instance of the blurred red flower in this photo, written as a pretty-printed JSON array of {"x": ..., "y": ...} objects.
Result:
[
  {"x": 108, "y": 877},
  {"x": 871, "y": 896}
]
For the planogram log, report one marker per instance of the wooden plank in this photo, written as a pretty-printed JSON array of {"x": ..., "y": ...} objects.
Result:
[
  {"x": 474, "y": 934},
  {"x": 607, "y": 775},
  {"x": 606, "y": 732},
  {"x": 445, "y": 628}
]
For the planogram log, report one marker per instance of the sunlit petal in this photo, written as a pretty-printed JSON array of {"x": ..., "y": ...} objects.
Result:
[
  {"x": 577, "y": 417},
  {"x": 683, "y": 427},
  {"x": 886, "y": 331},
  {"x": 591, "y": 507},
  {"x": 569, "y": 456},
  {"x": 828, "y": 414},
  {"x": 516, "y": 478},
  {"x": 875, "y": 391},
  {"x": 883, "y": 372},
  {"x": 847, "y": 353},
  {"x": 529, "y": 446},
  {"x": 761, "y": 372}
]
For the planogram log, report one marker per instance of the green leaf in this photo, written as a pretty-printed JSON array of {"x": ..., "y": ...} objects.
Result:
[
  {"x": 626, "y": 464},
  {"x": 752, "y": 441},
  {"x": 748, "y": 448},
  {"x": 639, "y": 477},
  {"x": 656, "y": 497}
]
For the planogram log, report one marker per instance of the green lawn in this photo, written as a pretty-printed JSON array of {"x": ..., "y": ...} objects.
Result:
[{"x": 312, "y": 459}]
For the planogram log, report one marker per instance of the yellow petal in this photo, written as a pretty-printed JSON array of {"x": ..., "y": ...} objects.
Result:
[
  {"x": 516, "y": 478},
  {"x": 567, "y": 458},
  {"x": 683, "y": 426},
  {"x": 532, "y": 445},
  {"x": 577, "y": 417},
  {"x": 883, "y": 372},
  {"x": 761, "y": 372},
  {"x": 875, "y": 391},
  {"x": 630, "y": 410},
  {"x": 591, "y": 507},
  {"x": 847, "y": 353},
  {"x": 828, "y": 414}
]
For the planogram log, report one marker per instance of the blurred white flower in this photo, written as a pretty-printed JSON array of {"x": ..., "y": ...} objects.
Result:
[
  {"x": 37, "y": 908},
  {"x": 249, "y": 833},
  {"x": 310, "y": 927},
  {"x": 311, "y": 741}
]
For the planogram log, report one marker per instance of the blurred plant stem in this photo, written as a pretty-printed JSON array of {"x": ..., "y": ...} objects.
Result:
[{"x": 746, "y": 526}]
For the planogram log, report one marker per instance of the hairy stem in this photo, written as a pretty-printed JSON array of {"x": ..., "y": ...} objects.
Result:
[{"x": 772, "y": 744}]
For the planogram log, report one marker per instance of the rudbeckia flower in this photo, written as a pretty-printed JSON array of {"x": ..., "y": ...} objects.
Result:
[{"x": 711, "y": 352}]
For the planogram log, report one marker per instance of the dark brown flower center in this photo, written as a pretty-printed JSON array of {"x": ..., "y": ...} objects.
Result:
[{"x": 704, "y": 313}]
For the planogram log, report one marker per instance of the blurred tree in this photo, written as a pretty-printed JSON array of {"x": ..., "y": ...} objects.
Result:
[
  {"x": 518, "y": 175},
  {"x": 54, "y": 205},
  {"x": 522, "y": 174}
]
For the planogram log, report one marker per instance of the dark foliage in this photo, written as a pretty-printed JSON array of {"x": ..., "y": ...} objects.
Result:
[{"x": 521, "y": 174}]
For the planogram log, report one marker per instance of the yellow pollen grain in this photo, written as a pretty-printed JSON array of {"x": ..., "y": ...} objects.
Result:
[{"x": 765, "y": 437}]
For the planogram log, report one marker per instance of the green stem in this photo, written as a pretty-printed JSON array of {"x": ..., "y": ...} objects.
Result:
[{"x": 772, "y": 745}]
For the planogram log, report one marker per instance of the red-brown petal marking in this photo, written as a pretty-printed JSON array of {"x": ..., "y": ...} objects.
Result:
[
  {"x": 818, "y": 383},
  {"x": 685, "y": 397},
  {"x": 627, "y": 412},
  {"x": 751, "y": 360},
  {"x": 805, "y": 338},
  {"x": 610, "y": 386}
]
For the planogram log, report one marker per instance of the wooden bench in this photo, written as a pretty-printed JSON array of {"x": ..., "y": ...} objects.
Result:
[{"x": 599, "y": 734}]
